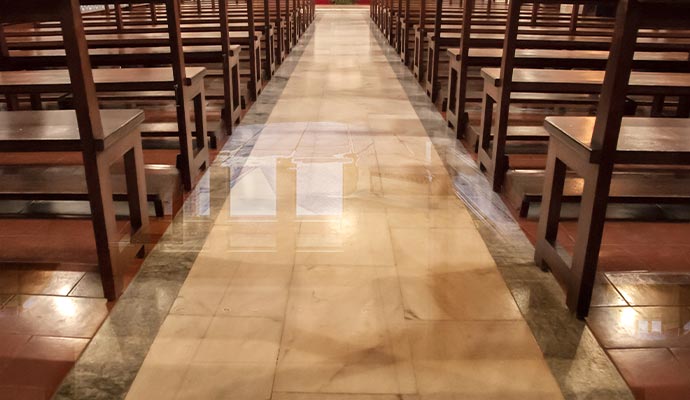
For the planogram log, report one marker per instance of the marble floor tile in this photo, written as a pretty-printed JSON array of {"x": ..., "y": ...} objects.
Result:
[
  {"x": 169, "y": 357},
  {"x": 440, "y": 249},
  {"x": 339, "y": 335},
  {"x": 257, "y": 242},
  {"x": 353, "y": 239},
  {"x": 257, "y": 291},
  {"x": 240, "y": 340},
  {"x": 200, "y": 296},
  {"x": 349, "y": 396},
  {"x": 477, "y": 360},
  {"x": 227, "y": 381}
]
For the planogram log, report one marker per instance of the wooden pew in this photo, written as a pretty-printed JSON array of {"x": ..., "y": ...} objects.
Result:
[
  {"x": 140, "y": 81},
  {"x": 592, "y": 146},
  {"x": 103, "y": 138},
  {"x": 485, "y": 50},
  {"x": 492, "y": 156},
  {"x": 193, "y": 149},
  {"x": 445, "y": 31},
  {"x": 150, "y": 50},
  {"x": 500, "y": 84}
]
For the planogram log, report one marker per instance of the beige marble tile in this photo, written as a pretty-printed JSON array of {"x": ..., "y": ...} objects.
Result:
[
  {"x": 479, "y": 360},
  {"x": 260, "y": 241},
  {"x": 277, "y": 142},
  {"x": 447, "y": 274},
  {"x": 455, "y": 216},
  {"x": 157, "y": 381},
  {"x": 240, "y": 340},
  {"x": 457, "y": 295},
  {"x": 436, "y": 250},
  {"x": 324, "y": 396},
  {"x": 402, "y": 125},
  {"x": 204, "y": 287},
  {"x": 178, "y": 340},
  {"x": 200, "y": 296},
  {"x": 227, "y": 381},
  {"x": 340, "y": 335},
  {"x": 171, "y": 352},
  {"x": 353, "y": 239},
  {"x": 294, "y": 110},
  {"x": 415, "y": 181},
  {"x": 257, "y": 290},
  {"x": 210, "y": 266}
]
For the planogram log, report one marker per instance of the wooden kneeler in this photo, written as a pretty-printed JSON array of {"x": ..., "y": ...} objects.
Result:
[{"x": 103, "y": 138}]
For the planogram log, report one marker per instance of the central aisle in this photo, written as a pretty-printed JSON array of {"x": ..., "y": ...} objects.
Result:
[{"x": 343, "y": 265}]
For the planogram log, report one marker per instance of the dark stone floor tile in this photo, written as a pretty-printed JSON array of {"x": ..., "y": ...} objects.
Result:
[
  {"x": 89, "y": 286},
  {"x": 683, "y": 355},
  {"x": 637, "y": 327},
  {"x": 53, "y": 316},
  {"x": 42, "y": 363},
  {"x": 652, "y": 374},
  {"x": 653, "y": 289},
  {"x": 613, "y": 257},
  {"x": 57, "y": 283},
  {"x": 605, "y": 294}
]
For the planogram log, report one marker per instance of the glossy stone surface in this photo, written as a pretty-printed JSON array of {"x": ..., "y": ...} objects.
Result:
[
  {"x": 327, "y": 256},
  {"x": 342, "y": 252}
]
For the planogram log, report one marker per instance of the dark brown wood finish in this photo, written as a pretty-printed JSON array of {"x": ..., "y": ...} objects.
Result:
[
  {"x": 102, "y": 141},
  {"x": 592, "y": 150}
]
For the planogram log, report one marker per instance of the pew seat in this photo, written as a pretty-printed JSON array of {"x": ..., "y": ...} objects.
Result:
[
  {"x": 50, "y": 131},
  {"x": 106, "y": 79},
  {"x": 579, "y": 81},
  {"x": 641, "y": 140}
]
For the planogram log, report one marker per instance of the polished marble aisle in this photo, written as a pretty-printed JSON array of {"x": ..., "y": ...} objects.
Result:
[{"x": 342, "y": 264}]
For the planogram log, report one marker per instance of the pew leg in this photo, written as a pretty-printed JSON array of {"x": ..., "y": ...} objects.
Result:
[
  {"x": 483, "y": 142},
  {"x": 683, "y": 110},
  {"x": 590, "y": 229},
  {"x": 227, "y": 96},
  {"x": 552, "y": 200},
  {"x": 658, "y": 105},
  {"x": 200, "y": 123},
  {"x": 499, "y": 156},
  {"x": 12, "y": 102},
  {"x": 99, "y": 183},
  {"x": 451, "y": 110},
  {"x": 36, "y": 102},
  {"x": 236, "y": 92},
  {"x": 463, "y": 119},
  {"x": 186, "y": 157},
  {"x": 136, "y": 187}
]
